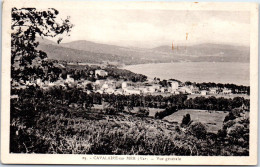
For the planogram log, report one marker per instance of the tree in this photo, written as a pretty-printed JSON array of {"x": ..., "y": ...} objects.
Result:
[
  {"x": 230, "y": 116},
  {"x": 27, "y": 23},
  {"x": 186, "y": 120},
  {"x": 198, "y": 129}
]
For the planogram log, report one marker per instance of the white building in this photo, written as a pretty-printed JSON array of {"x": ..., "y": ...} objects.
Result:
[
  {"x": 213, "y": 91},
  {"x": 130, "y": 91},
  {"x": 203, "y": 92},
  {"x": 109, "y": 90},
  {"x": 124, "y": 85},
  {"x": 174, "y": 85},
  {"x": 118, "y": 92},
  {"x": 99, "y": 82},
  {"x": 69, "y": 79},
  {"x": 226, "y": 91},
  {"x": 105, "y": 86},
  {"x": 185, "y": 90},
  {"x": 101, "y": 73},
  {"x": 39, "y": 82}
]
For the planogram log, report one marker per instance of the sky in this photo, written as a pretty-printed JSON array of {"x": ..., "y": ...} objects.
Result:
[{"x": 152, "y": 28}]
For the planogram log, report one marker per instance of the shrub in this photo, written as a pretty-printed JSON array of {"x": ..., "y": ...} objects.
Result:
[
  {"x": 198, "y": 129},
  {"x": 236, "y": 131},
  {"x": 230, "y": 116},
  {"x": 166, "y": 112},
  {"x": 228, "y": 124},
  {"x": 186, "y": 120},
  {"x": 142, "y": 112},
  {"x": 222, "y": 133},
  {"x": 236, "y": 112},
  {"x": 110, "y": 111}
]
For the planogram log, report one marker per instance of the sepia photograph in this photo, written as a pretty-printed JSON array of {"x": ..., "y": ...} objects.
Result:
[{"x": 129, "y": 83}]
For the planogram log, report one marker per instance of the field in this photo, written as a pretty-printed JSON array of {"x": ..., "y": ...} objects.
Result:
[{"x": 212, "y": 119}]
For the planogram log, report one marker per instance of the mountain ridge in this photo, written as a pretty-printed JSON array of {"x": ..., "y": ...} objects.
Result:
[{"x": 83, "y": 50}]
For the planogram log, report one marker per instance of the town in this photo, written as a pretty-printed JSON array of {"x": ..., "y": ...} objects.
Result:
[{"x": 102, "y": 82}]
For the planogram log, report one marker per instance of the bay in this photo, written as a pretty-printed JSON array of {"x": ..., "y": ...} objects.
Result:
[{"x": 218, "y": 72}]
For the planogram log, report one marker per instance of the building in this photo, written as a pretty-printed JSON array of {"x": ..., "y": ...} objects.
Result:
[
  {"x": 124, "y": 85},
  {"x": 69, "y": 79},
  {"x": 185, "y": 90},
  {"x": 109, "y": 90},
  {"x": 39, "y": 82},
  {"x": 194, "y": 89},
  {"x": 99, "y": 82},
  {"x": 226, "y": 91},
  {"x": 131, "y": 91},
  {"x": 101, "y": 73},
  {"x": 213, "y": 91},
  {"x": 163, "y": 90},
  {"x": 118, "y": 92},
  {"x": 204, "y": 92},
  {"x": 149, "y": 89},
  {"x": 174, "y": 85},
  {"x": 175, "y": 92}
]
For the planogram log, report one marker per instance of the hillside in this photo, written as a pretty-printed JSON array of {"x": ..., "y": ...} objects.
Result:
[
  {"x": 73, "y": 55},
  {"x": 208, "y": 52},
  {"x": 86, "y": 51}
]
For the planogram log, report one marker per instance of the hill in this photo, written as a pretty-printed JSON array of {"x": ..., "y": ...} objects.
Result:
[
  {"x": 86, "y": 51},
  {"x": 208, "y": 52}
]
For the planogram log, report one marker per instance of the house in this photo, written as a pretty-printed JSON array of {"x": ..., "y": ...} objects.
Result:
[
  {"x": 39, "y": 82},
  {"x": 204, "y": 92},
  {"x": 69, "y": 79},
  {"x": 59, "y": 82},
  {"x": 213, "y": 91},
  {"x": 29, "y": 83},
  {"x": 111, "y": 84},
  {"x": 174, "y": 85},
  {"x": 194, "y": 89},
  {"x": 130, "y": 91},
  {"x": 156, "y": 86},
  {"x": 99, "y": 82},
  {"x": 226, "y": 91},
  {"x": 147, "y": 90},
  {"x": 185, "y": 90},
  {"x": 163, "y": 90},
  {"x": 176, "y": 92},
  {"x": 109, "y": 90},
  {"x": 100, "y": 91},
  {"x": 105, "y": 86},
  {"x": 124, "y": 85},
  {"x": 118, "y": 92},
  {"x": 101, "y": 73},
  {"x": 51, "y": 84}
]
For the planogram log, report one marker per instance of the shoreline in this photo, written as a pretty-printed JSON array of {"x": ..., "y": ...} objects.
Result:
[{"x": 225, "y": 73}]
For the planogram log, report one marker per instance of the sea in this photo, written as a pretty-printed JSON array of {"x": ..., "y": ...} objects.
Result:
[{"x": 218, "y": 72}]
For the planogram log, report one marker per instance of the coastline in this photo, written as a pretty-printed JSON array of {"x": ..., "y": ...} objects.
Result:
[{"x": 218, "y": 72}]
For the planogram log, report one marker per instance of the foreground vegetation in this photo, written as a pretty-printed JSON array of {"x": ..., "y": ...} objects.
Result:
[{"x": 41, "y": 123}]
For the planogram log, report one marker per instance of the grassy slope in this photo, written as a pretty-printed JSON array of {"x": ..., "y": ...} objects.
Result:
[{"x": 212, "y": 119}]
